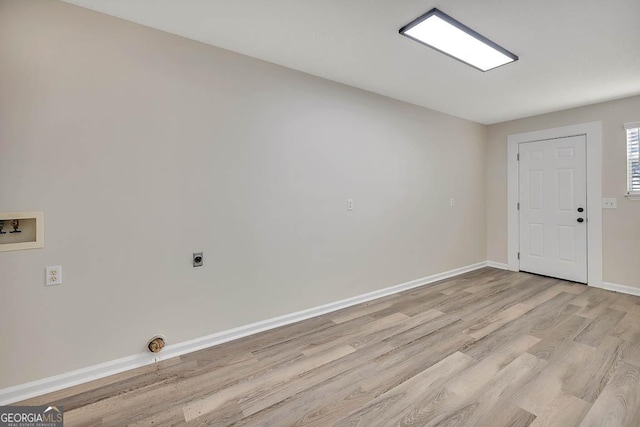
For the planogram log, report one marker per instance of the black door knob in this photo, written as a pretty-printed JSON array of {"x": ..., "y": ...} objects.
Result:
[
  {"x": 580, "y": 210},
  {"x": 580, "y": 220}
]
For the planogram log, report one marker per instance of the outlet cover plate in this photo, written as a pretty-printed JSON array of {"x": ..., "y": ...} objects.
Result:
[
  {"x": 53, "y": 275},
  {"x": 198, "y": 259}
]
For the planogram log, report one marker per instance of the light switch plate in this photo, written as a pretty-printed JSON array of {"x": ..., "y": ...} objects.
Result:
[
  {"x": 609, "y": 203},
  {"x": 53, "y": 275}
]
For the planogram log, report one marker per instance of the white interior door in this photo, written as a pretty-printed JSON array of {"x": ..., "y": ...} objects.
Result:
[{"x": 553, "y": 202}]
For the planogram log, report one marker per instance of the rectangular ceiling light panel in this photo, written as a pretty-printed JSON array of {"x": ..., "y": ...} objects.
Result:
[{"x": 445, "y": 34}]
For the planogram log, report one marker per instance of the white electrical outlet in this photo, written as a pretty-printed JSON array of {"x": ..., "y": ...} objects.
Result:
[
  {"x": 611, "y": 203},
  {"x": 452, "y": 202},
  {"x": 349, "y": 204},
  {"x": 53, "y": 276}
]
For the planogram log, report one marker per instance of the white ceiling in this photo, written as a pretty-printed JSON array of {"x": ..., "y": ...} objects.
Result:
[{"x": 572, "y": 52}]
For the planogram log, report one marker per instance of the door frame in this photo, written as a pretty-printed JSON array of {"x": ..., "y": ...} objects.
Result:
[{"x": 593, "y": 135}]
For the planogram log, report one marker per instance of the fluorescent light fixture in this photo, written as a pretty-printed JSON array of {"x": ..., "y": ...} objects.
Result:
[{"x": 443, "y": 33}]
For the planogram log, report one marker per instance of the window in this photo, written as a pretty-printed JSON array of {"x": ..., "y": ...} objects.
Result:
[{"x": 633, "y": 159}]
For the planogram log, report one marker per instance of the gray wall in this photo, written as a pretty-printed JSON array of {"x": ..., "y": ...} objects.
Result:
[
  {"x": 620, "y": 227},
  {"x": 142, "y": 147}
]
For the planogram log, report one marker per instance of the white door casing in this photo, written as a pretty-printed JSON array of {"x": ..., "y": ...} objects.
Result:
[
  {"x": 593, "y": 133},
  {"x": 552, "y": 207}
]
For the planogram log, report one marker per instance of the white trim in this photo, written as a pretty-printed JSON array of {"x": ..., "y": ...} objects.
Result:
[
  {"x": 593, "y": 133},
  {"x": 632, "y": 125},
  {"x": 69, "y": 379},
  {"x": 621, "y": 288},
  {"x": 500, "y": 265}
]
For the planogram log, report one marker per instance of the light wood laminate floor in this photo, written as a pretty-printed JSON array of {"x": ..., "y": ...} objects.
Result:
[{"x": 488, "y": 348}]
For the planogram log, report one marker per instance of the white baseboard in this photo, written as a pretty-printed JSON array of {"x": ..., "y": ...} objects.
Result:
[
  {"x": 68, "y": 379},
  {"x": 499, "y": 265},
  {"x": 621, "y": 288},
  {"x": 80, "y": 376}
]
